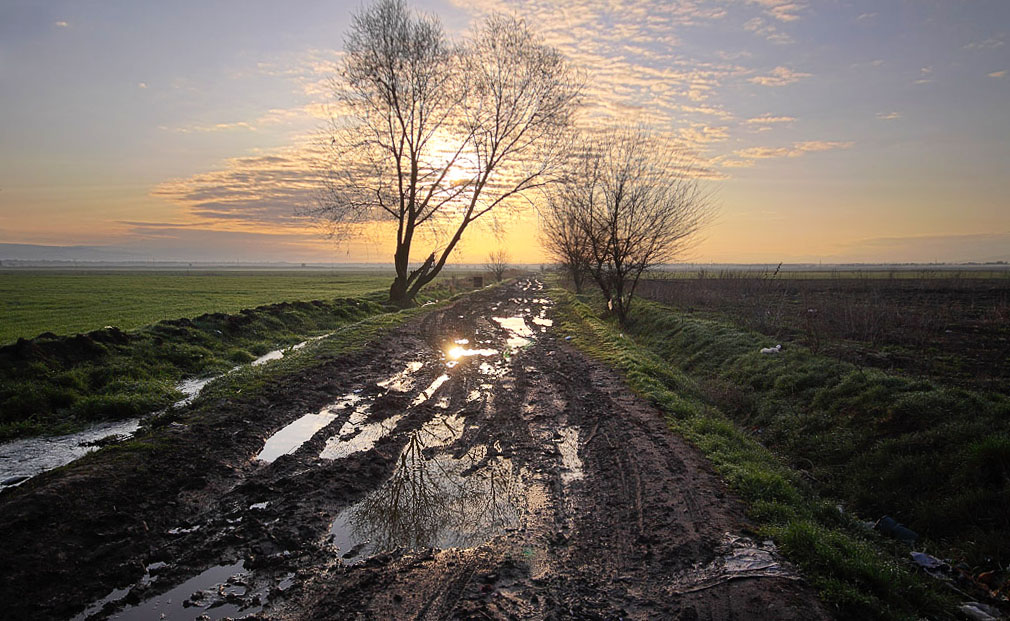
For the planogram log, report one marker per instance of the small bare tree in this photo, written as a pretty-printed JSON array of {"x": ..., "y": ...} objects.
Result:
[
  {"x": 434, "y": 135},
  {"x": 637, "y": 203},
  {"x": 497, "y": 263},
  {"x": 562, "y": 235}
]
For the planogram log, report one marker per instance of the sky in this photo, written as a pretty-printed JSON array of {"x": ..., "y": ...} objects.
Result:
[{"x": 830, "y": 130}]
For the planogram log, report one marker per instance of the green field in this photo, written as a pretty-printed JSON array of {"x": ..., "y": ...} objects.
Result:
[{"x": 33, "y": 302}]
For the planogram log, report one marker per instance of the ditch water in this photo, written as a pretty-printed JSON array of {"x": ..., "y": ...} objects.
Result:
[{"x": 22, "y": 459}]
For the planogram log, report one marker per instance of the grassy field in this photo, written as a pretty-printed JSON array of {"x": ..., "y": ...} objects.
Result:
[{"x": 33, "y": 302}]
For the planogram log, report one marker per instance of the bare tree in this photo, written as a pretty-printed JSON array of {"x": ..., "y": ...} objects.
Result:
[
  {"x": 497, "y": 263},
  {"x": 638, "y": 203},
  {"x": 436, "y": 135},
  {"x": 562, "y": 235}
]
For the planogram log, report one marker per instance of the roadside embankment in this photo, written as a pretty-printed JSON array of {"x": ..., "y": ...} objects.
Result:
[{"x": 675, "y": 363}]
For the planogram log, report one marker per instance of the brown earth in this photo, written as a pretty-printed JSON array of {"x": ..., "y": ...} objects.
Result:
[{"x": 527, "y": 483}]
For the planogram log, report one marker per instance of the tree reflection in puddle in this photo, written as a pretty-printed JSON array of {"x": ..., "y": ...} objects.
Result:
[{"x": 434, "y": 499}]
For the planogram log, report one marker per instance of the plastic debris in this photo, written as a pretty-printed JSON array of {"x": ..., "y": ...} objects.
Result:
[
  {"x": 771, "y": 350},
  {"x": 979, "y": 612},
  {"x": 926, "y": 561},
  {"x": 890, "y": 527}
]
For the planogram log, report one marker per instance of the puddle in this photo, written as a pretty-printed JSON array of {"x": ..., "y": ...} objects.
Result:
[
  {"x": 434, "y": 499},
  {"x": 22, "y": 459},
  {"x": 571, "y": 463},
  {"x": 217, "y": 593},
  {"x": 457, "y": 352},
  {"x": 400, "y": 382},
  {"x": 356, "y": 436},
  {"x": 430, "y": 390},
  {"x": 295, "y": 434},
  {"x": 519, "y": 332},
  {"x": 486, "y": 368}
]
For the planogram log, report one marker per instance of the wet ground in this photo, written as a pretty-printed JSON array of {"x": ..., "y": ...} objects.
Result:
[{"x": 468, "y": 465}]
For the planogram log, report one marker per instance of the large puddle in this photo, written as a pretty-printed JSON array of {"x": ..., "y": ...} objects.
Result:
[
  {"x": 23, "y": 459},
  {"x": 435, "y": 498}
]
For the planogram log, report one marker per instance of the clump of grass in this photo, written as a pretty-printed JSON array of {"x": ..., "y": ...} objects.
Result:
[{"x": 854, "y": 577}]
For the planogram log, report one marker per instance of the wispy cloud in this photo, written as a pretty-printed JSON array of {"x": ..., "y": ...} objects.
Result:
[
  {"x": 925, "y": 75},
  {"x": 763, "y": 28},
  {"x": 888, "y": 116},
  {"x": 61, "y": 24},
  {"x": 768, "y": 119},
  {"x": 998, "y": 74},
  {"x": 986, "y": 44},
  {"x": 779, "y": 76},
  {"x": 796, "y": 150}
]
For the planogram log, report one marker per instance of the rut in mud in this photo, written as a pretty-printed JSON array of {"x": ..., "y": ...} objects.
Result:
[{"x": 468, "y": 465}]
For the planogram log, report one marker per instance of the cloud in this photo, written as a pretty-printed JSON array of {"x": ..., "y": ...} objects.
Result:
[
  {"x": 779, "y": 76},
  {"x": 141, "y": 84},
  {"x": 763, "y": 28},
  {"x": 888, "y": 116},
  {"x": 768, "y": 119},
  {"x": 986, "y": 44},
  {"x": 784, "y": 11},
  {"x": 998, "y": 74},
  {"x": 257, "y": 190},
  {"x": 925, "y": 75},
  {"x": 796, "y": 150},
  {"x": 61, "y": 24},
  {"x": 865, "y": 17}
]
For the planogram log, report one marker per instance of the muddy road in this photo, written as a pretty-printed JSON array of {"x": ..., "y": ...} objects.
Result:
[{"x": 469, "y": 464}]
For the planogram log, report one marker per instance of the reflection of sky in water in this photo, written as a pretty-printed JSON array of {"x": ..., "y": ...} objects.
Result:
[
  {"x": 519, "y": 332},
  {"x": 435, "y": 500}
]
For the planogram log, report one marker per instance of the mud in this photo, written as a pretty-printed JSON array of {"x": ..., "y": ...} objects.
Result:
[{"x": 470, "y": 464}]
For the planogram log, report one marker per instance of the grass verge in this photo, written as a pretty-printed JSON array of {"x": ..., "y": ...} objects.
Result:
[
  {"x": 53, "y": 384},
  {"x": 854, "y": 572}
]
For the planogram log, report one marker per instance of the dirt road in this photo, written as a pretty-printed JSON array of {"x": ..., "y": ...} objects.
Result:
[{"x": 468, "y": 465}]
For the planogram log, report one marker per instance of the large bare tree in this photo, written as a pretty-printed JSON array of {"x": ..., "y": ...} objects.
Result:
[
  {"x": 636, "y": 203},
  {"x": 433, "y": 136}
]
